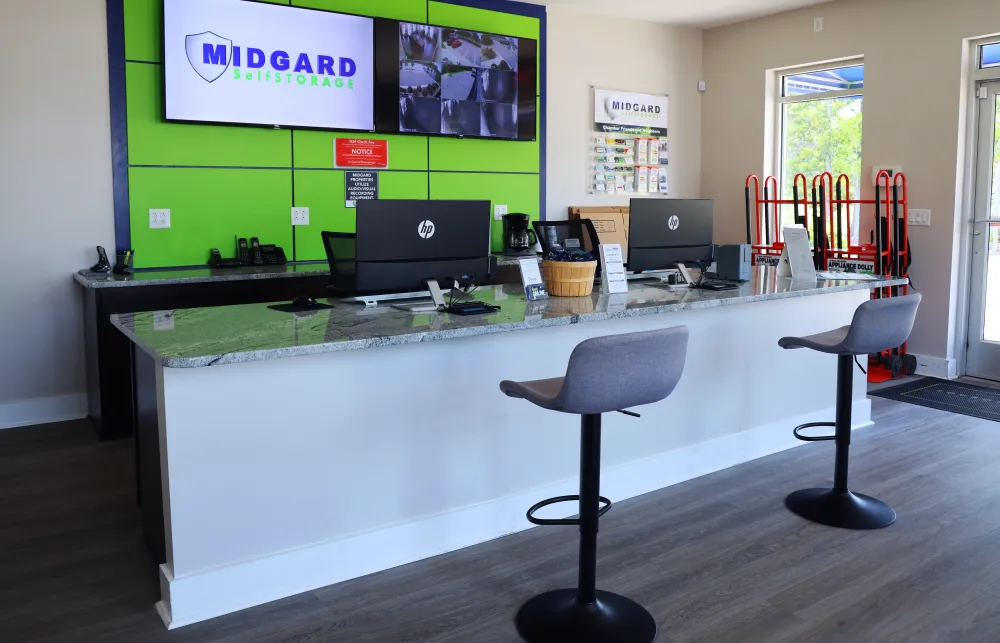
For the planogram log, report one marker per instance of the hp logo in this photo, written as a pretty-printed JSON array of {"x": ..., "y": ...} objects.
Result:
[
  {"x": 674, "y": 222},
  {"x": 426, "y": 229}
]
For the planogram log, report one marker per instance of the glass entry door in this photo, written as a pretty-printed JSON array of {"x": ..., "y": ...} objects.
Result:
[{"x": 984, "y": 302}]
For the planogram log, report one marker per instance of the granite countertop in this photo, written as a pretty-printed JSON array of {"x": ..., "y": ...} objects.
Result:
[
  {"x": 200, "y": 275},
  {"x": 200, "y": 337}
]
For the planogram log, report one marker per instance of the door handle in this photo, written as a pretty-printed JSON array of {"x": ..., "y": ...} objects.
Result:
[{"x": 996, "y": 221}]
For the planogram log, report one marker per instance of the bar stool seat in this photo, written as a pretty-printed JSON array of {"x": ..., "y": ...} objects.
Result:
[
  {"x": 604, "y": 374},
  {"x": 878, "y": 325}
]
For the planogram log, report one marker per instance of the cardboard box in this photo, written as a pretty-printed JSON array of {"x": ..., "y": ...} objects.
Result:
[{"x": 611, "y": 223}]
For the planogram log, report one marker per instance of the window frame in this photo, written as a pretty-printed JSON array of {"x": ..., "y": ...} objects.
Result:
[
  {"x": 980, "y": 48},
  {"x": 778, "y": 162}
]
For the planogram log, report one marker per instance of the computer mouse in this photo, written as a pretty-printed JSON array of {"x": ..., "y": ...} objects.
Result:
[{"x": 304, "y": 302}]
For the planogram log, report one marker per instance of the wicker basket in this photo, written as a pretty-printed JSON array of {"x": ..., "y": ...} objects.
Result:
[{"x": 569, "y": 278}]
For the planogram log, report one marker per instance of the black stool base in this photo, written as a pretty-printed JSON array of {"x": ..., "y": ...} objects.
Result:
[
  {"x": 557, "y": 617},
  {"x": 840, "y": 509}
]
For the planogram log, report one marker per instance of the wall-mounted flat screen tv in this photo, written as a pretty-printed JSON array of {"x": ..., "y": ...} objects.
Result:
[
  {"x": 454, "y": 82},
  {"x": 234, "y": 61}
]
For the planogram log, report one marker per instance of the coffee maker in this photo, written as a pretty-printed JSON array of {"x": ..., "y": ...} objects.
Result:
[{"x": 518, "y": 238}]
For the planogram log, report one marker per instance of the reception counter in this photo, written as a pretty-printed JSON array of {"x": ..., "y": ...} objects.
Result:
[{"x": 280, "y": 452}]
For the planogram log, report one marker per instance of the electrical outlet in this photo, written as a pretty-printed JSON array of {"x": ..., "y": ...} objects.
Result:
[
  {"x": 159, "y": 218},
  {"x": 920, "y": 218},
  {"x": 893, "y": 170},
  {"x": 817, "y": 25},
  {"x": 498, "y": 212},
  {"x": 300, "y": 216}
]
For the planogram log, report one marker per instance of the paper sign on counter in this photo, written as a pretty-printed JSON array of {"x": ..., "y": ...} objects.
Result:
[
  {"x": 796, "y": 258},
  {"x": 613, "y": 278},
  {"x": 531, "y": 277}
]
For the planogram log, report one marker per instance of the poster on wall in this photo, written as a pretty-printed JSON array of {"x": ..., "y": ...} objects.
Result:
[
  {"x": 354, "y": 152},
  {"x": 628, "y": 113},
  {"x": 629, "y": 148},
  {"x": 360, "y": 186}
]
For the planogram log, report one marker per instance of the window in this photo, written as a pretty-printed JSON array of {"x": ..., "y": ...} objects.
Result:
[
  {"x": 989, "y": 56},
  {"x": 820, "y": 115}
]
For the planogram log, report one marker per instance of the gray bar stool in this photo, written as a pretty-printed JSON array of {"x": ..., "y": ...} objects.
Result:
[
  {"x": 605, "y": 374},
  {"x": 878, "y": 325}
]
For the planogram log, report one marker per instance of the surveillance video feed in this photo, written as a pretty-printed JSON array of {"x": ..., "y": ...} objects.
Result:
[
  {"x": 457, "y": 82},
  {"x": 461, "y": 117},
  {"x": 499, "y": 120}
]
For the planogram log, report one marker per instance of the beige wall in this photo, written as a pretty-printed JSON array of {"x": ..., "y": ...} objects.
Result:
[
  {"x": 913, "y": 53},
  {"x": 586, "y": 50},
  {"x": 55, "y": 197}
]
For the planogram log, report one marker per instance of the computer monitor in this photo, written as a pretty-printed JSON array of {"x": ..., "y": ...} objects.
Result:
[
  {"x": 401, "y": 244},
  {"x": 666, "y": 232}
]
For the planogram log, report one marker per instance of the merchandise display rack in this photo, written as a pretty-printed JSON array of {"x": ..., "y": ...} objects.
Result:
[{"x": 628, "y": 164}]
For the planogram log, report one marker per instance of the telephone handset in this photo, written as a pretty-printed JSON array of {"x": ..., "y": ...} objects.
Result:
[
  {"x": 244, "y": 251},
  {"x": 255, "y": 253}
]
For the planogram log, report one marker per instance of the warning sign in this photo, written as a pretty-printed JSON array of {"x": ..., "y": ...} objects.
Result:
[
  {"x": 358, "y": 152},
  {"x": 360, "y": 186}
]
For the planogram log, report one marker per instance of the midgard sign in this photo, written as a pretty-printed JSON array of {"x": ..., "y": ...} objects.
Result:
[
  {"x": 625, "y": 113},
  {"x": 231, "y": 61}
]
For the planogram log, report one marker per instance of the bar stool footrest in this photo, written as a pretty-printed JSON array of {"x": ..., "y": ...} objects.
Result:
[
  {"x": 814, "y": 438},
  {"x": 562, "y": 521}
]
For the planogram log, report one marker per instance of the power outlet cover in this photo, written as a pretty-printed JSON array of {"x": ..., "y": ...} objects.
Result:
[
  {"x": 159, "y": 219},
  {"x": 300, "y": 216},
  {"x": 498, "y": 212},
  {"x": 919, "y": 218}
]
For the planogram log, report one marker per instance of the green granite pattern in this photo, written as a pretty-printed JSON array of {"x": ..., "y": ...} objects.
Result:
[{"x": 201, "y": 337}]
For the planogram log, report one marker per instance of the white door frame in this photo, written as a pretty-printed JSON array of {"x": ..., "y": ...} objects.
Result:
[
  {"x": 977, "y": 364},
  {"x": 965, "y": 201}
]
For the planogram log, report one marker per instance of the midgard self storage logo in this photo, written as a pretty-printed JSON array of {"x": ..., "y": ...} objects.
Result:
[
  {"x": 627, "y": 113},
  {"x": 212, "y": 55},
  {"x": 618, "y": 109}
]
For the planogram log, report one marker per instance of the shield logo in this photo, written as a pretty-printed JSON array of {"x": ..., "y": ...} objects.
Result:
[
  {"x": 609, "y": 107},
  {"x": 209, "y": 54}
]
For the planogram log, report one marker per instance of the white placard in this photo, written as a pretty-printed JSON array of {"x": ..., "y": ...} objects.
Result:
[
  {"x": 531, "y": 278},
  {"x": 796, "y": 257},
  {"x": 628, "y": 113},
  {"x": 613, "y": 279},
  {"x": 231, "y": 61}
]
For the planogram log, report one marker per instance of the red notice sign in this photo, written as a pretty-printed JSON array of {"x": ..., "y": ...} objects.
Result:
[{"x": 354, "y": 152}]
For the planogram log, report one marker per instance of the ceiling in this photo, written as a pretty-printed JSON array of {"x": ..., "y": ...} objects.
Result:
[{"x": 696, "y": 13}]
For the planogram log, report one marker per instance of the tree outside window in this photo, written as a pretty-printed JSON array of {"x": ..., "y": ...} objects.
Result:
[{"x": 821, "y": 125}]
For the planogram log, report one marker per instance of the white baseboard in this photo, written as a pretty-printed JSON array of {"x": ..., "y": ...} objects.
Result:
[
  {"x": 203, "y": 596},
  {"x": 939, "y": 367},
  {"x": 42, "y": 411}
]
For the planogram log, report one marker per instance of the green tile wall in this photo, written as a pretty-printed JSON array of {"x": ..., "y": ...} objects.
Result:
[
  {"x": 225, "y": 181},
  {"x": 208, "y": 208},
  {"x": 519, "y": 192},
  {"x": 323, "y": 193}
]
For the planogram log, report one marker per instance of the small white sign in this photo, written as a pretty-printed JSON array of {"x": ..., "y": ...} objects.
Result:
[
  {"x": 163, "y": 320},
  {"x": 613, "y": 278},
  {"x": 531, "y": 277},
  {"x": 796, "y": 257}
]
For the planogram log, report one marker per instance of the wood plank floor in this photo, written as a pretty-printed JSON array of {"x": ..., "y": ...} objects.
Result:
[{"x": 717, "y": 559}]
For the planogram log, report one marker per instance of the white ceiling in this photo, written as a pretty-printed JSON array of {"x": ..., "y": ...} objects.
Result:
[{"x": 696, "y": 13}]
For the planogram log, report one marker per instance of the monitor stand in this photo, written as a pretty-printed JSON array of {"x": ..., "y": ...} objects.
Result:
[{"x": 433, "y": 293}]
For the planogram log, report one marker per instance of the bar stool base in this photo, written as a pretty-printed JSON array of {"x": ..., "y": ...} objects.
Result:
[
  {"x": 840, "y": 509},
  {"x": 557, "y": 617}
]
